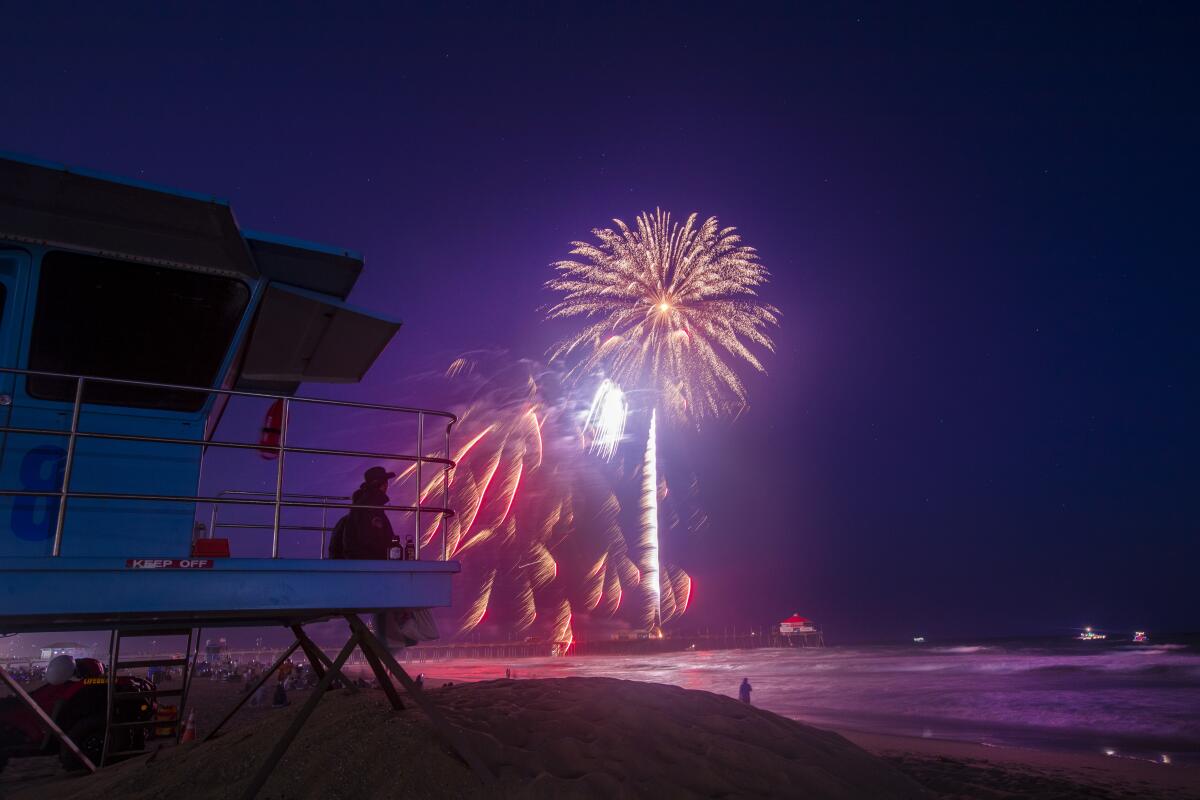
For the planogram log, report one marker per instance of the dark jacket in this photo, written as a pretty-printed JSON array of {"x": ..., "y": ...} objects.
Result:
[{"x": 366, "y": 532}]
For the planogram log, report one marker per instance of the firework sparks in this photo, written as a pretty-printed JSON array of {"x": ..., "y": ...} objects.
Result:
[
  {"x": 479, "y": 608},
  {"x": 672, "y": 309},
  {"x": 540, "y": 532},
  {"x": 563, "y": 635},
  {"x": 606, "y": 419},
  {"x": 673, "y": 302}
]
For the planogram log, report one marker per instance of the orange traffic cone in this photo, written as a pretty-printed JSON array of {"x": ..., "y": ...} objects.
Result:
[{"x": 189, "y": 728}]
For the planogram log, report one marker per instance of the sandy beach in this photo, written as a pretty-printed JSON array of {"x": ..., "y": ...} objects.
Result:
[
  {"x": 962, "y": 769},
  {"x": 591, "y": 737}
]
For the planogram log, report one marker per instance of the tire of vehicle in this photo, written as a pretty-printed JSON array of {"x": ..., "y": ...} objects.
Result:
[
  {"x": 88, "y": 736},
  {"x": 3, "y": 760}
]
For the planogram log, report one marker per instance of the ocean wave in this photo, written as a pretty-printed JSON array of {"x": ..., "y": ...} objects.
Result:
[
  {"x": 1064, "y": 669},
  {"x": 1138, "y": 700},
  {"x": 1151, "y": 649}
]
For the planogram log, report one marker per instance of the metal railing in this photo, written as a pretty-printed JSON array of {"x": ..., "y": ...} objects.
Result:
[
  {"x": 323, "y": 528},
  {"x": 276, "y": 500}
]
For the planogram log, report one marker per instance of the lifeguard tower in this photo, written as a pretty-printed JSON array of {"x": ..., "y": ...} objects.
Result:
[{"x": 131, "y": 318}]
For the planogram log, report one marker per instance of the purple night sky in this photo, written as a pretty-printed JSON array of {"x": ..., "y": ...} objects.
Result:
[{"x": 980, "y": 225}]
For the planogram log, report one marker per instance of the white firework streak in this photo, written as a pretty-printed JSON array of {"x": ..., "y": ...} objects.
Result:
[
  {"x": 649, "y": 543},
  {"x": 606, "y": 419}
]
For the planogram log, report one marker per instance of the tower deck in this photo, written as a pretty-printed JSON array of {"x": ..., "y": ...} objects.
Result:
[{"x": 47, "y": 594}]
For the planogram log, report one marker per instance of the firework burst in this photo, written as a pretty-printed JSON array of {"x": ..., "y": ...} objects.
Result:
[
  {"x": 544, "y": 542},
  {"x": 673, "y": 305},
  {"x": 670, "y": 308}
]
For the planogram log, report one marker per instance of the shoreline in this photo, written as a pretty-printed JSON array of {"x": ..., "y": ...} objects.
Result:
[
  {"x": 958, "y": 766},
  {"x": 943, "y": 762}
]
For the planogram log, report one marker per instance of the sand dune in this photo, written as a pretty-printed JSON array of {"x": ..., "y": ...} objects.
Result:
[{"x": 564, "y": 738}]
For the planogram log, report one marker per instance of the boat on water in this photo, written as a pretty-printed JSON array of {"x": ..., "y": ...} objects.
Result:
[
  {"x": 1089, "y": 635},
  {"x": 1141, "y": 637}
]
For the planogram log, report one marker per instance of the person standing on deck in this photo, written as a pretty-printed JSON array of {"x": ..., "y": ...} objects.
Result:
[
  {"x": 365, "y": 532},
  {"x": 744, "y": 690}
]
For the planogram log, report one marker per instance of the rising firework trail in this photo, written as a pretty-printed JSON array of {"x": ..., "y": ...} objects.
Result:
[
  {"x": 652, "y": 588},
  {"x": 670, "y": 308}
]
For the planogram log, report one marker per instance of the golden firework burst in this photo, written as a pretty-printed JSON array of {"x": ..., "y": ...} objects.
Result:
[{"x": 676, "y": 304}]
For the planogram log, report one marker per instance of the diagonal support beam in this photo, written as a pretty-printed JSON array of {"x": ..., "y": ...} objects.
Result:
[
  {"x": 381, "y": 675},
  {"x": 320, "y": 661},
  {"x": 306, "y": 644},
  {"x": 452, "y": 735},
  {"x": 29, "y": 702},
  {"x": 264, "y": 772},
  {"x": 258, "y": 684},
  {"x": 188, "y": 676}
]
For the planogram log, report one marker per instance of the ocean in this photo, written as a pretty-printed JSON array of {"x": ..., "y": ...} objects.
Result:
[{"x": 1122, "y": 699}]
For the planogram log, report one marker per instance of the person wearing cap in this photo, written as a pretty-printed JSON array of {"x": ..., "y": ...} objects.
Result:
[{"x": 365, "y": 532}]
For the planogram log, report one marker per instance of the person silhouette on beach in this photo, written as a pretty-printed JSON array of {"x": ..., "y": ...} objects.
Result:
[{"x": 744, "y": 690}]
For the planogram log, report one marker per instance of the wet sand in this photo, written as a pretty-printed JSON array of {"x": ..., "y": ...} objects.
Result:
[{"x": 966, "y": 770}]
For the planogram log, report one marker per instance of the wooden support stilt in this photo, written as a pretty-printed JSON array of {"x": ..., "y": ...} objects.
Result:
[
  {"x": 187, "y": 685},
  {"x": 320, "y": 661},
  {"x": 306, "y": 644},
  {"x": 451, "y": 734},
  {"x": 257, "y": 684},
  {"x": 45, "y": 719},
  {"x": 381, "y": 675},
  {"x": 264, "y": 772}
]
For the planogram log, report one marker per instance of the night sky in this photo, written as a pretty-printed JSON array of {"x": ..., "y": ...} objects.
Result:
[{"x": 980, "y": 220}]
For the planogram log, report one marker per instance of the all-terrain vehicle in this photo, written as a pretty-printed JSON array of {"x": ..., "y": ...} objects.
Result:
[{"x": 78, "y": 706}]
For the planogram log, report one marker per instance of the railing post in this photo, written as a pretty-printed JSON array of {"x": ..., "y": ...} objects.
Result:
[
  {"x": 420, "y": 457},
  {"x": 283, "y": 426},
  {"x": 445, "y": 489},
  {"x": 70, "y": 462},
  {"x": 324, "y": 517}
]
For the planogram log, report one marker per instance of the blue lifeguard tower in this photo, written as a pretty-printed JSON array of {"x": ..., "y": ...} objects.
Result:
[{"x": 130, "y": 318}]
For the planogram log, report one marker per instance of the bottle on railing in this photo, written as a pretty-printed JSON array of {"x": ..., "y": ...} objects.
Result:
[
  {"x": 395, "y": 552},
  {"x": 410, "y": 550}
]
